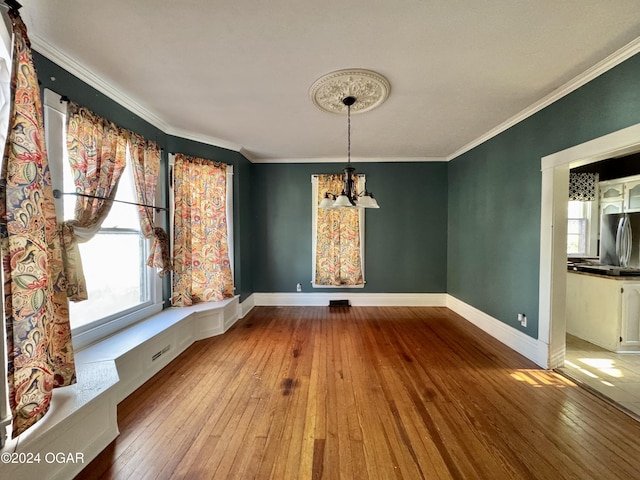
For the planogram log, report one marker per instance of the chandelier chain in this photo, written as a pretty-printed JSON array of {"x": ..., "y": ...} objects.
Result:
[{"x": 349, "y": 134}]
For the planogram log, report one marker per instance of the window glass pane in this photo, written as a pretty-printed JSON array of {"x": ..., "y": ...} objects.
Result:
[
  {"x": 575, "y": 226},
  {"x": 123, "y": 215},
  {"x": 573, "y": 244},
  {"x": 576, "y": 209},
  {"x": 114, "y": 259},
  {"x": 114, "y": 282},
  {"x": 576, "y": 236}
]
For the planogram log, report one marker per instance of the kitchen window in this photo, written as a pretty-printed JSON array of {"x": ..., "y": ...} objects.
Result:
[{"x": 580, "y": 229}]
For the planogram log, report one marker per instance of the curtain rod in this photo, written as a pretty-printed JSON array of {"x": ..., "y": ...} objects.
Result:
[{"x": 58, "y": 194}]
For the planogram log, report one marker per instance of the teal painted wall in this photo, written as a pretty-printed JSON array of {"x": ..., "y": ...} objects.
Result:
[
  {"x": 53, "y": 77},
  {"x": 495, "y": 195},
  {"x": 405, "y": 240},
  {"x": 469, "y": 227}
]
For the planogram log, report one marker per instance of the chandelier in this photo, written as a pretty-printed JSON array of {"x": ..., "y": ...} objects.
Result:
[{"x": 360, "y": 90}]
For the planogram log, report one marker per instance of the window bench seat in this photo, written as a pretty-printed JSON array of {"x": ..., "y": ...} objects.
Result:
[{"x": 82, "y": 419}]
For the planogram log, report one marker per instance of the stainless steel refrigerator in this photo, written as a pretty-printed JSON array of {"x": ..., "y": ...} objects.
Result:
[{"x": 620, "y": 239}]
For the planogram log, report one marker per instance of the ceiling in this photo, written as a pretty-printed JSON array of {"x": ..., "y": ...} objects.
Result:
[{"x": 237, "y": 73}]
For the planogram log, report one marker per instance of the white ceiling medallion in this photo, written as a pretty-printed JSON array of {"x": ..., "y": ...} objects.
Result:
[{"x": 369, "y": 88}]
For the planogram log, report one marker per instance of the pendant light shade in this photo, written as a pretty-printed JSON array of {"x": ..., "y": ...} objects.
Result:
[
  {"x": 342, "y": 201},
  {"x": 367, "y": 201}
]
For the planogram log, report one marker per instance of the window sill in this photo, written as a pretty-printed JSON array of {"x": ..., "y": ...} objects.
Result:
[{"x": 107, "y": 372}]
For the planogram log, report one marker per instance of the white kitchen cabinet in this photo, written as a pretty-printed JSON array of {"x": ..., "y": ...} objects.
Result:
[
  {"x": 632, "y": 197},
  {"x": 621, "y": 195},
  {"x": 611, "y": 197},
  {"x": 607, "y": 208},
  {"x": 630, "y": 320},
  {"x": 604, "y": 310},
  {"x": 611, "y": 191}
]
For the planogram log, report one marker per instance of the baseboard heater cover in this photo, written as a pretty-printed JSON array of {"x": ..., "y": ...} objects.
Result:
[{"x": 339, "y": 303}]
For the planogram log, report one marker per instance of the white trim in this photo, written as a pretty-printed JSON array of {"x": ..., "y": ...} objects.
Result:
[
  {"x": 321, "y": 299},
  {"x": 55, "y": 111},
  {"x": 553, "y": 221},
  {"x": 534, "y": 350},
  {"x": 522, "y": 343},
  {"x": 620, "y": 142},
  {"x": 61, "y": 59},
  {"x": 247, "y": 306},
  {"x": 344, "y": 160},
  {"x": 73, "y": 67},
  {"x": 108, "y": 372},
  {"x": 598, "y": 69},
  {"x": 314, "y": 232}
]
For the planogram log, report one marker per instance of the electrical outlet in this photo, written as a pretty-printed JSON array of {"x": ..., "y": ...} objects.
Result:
[
  {"x": 522, "y": 318},
  {"x": 299, "y": 287}
]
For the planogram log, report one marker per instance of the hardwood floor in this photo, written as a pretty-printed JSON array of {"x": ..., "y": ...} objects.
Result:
[{"x": 364, "y": 393}]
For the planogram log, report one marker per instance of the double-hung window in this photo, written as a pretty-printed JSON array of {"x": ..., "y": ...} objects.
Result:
[
  {"x": 121, "y": 288},
  {"x": 579, "y": 228}
]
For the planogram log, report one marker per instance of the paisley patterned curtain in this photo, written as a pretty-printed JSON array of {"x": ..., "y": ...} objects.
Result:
[
  {"x": 338, "y": 258},
  {"x": 202, "y": 271},
  {"x": 40, "y": 352},
  {"x": 145, "y": 160},
  {"x": 97, "y": 156}
]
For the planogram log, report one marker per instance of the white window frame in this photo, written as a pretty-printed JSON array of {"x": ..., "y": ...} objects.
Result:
[
  {"x": 55, "y": 112},
  {"x": 590, "y": 229},
  {"x": 314, "y": 229}
]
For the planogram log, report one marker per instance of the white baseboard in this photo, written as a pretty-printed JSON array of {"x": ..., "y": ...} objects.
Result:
[
  {"x": 534, "y": 350},
  {"x": 356, "y": 299},
  {"x": 246, "y": 306}
]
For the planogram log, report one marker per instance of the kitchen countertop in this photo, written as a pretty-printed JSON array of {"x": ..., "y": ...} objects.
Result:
[{"x": 625, "y": 278}]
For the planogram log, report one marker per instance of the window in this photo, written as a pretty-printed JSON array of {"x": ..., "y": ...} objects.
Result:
[
  {"x": 352, "y": 261},
  {"x": 121, "y": 288},
  {"x": 228, "y": 209},
  {"x": 579, "y": 228}
]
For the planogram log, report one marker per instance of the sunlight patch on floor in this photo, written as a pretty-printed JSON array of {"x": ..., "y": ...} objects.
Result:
[
  {"x": 604, "y": 365},
  {"x": 540, "y": 378}
]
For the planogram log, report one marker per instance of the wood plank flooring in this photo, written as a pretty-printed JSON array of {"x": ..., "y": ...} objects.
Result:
[{"x": 364, "y": 393}]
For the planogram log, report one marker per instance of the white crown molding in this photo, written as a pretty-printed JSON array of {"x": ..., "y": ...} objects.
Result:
[
  {"x": 353, "y": 160},
  {"x": 73, "y": 67},
  {"x": 64, "y": 61},
  {"x": 206, "y": 139},
  {"x": 605, "y": 65}
]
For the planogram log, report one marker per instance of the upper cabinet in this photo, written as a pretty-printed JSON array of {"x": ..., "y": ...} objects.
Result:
[
  {"x": 611, "y": 192},
  {"x": 632, "y": 196},
  {"x": 611, "y": 197},
  {"x": 621, "y": 195}
]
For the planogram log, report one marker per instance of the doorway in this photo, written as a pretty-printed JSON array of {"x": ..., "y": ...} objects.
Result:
[{"x": 553, "y": 235}]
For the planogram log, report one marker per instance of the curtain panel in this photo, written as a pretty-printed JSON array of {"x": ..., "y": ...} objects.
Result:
[
  {"x": 39, "y": 348},
  {"x": 202, "y": 271},
  {"x": 97, "y": 157},
  {"x": 338, "y": 259},
  {"x": 145, "y": 160}
]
